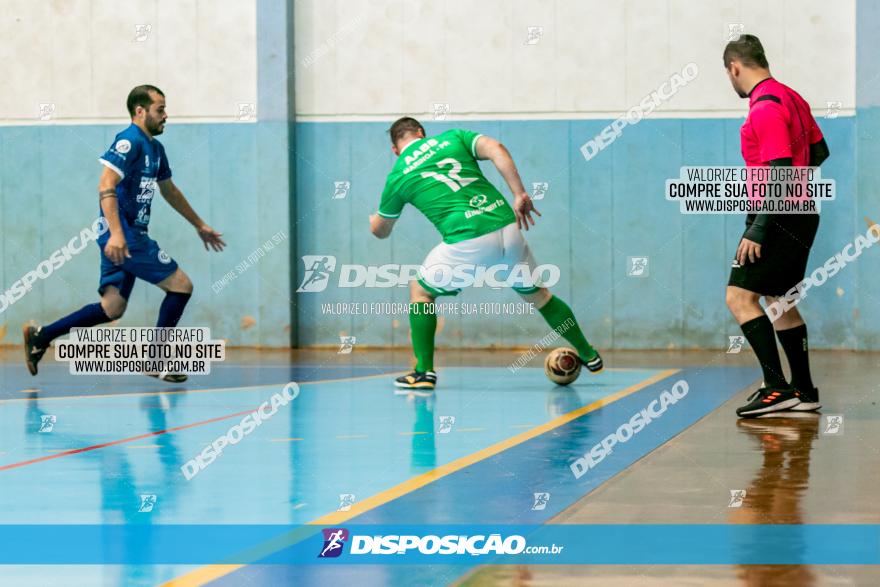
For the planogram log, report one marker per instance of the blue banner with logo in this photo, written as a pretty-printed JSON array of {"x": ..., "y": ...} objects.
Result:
[{"x": 638, "y": 544}]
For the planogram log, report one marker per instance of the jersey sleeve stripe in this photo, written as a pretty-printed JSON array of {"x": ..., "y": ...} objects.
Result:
[
  {"x": 474, "y": 146},
  {"x": 113, "y": 167},
  {"x": 386, "y": 215}
]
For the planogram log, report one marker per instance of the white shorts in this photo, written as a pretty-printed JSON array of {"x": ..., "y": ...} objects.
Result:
[{"x": 498, "y": 259}]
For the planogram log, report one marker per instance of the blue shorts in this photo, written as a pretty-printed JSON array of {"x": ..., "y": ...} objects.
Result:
[{"x": 147, "y": 262}]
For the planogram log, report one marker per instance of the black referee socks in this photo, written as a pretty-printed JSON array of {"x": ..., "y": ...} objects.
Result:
[
  {"x": 794, "y": 342},
  {"x": 759, "y": 333}
]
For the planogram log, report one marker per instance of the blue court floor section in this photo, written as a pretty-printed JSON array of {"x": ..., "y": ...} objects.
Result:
[
  {"x": 55, "y": 378},
  {"x": 101, "y": 456}
]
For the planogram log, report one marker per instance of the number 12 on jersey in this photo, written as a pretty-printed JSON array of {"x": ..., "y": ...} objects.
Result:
[{"x": 452, "y": 178}]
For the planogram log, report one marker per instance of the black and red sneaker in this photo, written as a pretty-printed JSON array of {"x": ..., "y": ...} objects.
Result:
[
  {"x": 809, "y": 401},
  {"x": 769, "y": 399}
]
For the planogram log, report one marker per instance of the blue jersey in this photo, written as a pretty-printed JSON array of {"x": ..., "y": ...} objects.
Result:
[{"x": 141, "y": 163}]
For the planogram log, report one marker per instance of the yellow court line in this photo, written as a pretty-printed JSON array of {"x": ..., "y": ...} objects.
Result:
[
  {"x": 208, "y": 573},
  {"x": 209, "y": 390}
]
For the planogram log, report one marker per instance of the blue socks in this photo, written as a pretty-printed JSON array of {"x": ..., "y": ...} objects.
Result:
[
  {"x": 169, "y": 315},
  {"x": 90, "y": 315},
  {"x": 172, "y": 309}
]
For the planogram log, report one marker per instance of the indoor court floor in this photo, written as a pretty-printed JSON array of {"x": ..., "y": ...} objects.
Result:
[{"x": 347, "y": 450}]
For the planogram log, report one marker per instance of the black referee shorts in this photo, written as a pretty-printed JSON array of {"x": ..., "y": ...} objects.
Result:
[{"x": 784, "y": 255}]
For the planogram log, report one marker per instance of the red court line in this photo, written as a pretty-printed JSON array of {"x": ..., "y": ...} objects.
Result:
[{"x": 120, "y": 441}]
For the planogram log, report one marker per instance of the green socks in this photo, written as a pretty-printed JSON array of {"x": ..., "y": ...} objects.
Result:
[
  {"x": 561, "y": 319},
  {"x": 423, "y": 325}
]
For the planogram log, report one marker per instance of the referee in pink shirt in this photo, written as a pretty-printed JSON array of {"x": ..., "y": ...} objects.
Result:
[{"x": 772, "y": 255}]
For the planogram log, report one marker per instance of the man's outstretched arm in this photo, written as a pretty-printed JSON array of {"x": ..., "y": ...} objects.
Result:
[
  {"x": 489, "y": 148},
  {"x": 178, "y": 201}
]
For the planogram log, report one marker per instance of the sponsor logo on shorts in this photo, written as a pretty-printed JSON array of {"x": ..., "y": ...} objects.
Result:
[{"x": 163, "y": 257}]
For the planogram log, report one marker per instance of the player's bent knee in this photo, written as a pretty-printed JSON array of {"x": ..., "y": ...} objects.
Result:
[
  {"x": 539, "y": 298},
  {"x": 114, "y": 306},
  {"x": 737, "y": 298},
  {"x": 177, "y": 282}
]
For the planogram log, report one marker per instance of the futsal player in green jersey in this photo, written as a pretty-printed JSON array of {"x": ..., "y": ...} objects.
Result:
[{"x": 440, "y": 176}]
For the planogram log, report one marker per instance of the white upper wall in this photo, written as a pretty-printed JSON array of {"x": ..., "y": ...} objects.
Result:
[
  {"x": 83, "y": 56},
  {"x": 595, "y": 57}
]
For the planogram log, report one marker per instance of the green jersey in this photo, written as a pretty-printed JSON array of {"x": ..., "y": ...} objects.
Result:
[{"x": 440, "y": 176}]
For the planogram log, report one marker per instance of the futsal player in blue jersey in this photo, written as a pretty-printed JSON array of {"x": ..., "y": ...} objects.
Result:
[{"x": 135, "y": 167}]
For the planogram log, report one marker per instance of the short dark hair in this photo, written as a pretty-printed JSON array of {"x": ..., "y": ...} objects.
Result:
[
  {"x": 403, "y": 126},
  {"x": 140, "y": 96},
  {"x": 748, "y": 50}
]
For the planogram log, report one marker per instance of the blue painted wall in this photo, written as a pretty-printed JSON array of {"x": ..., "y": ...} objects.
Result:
[
  {"x": 234, "y": 175},
  {"x": 595, "y": 215}
]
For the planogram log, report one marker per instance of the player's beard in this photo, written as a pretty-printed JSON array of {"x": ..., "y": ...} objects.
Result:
[{"x": 156, "y": 127}]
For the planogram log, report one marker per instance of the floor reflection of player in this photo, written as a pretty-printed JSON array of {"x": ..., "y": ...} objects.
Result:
[
  {"x": 424, "y": 449},
  {"x": 774, "y": 495},
  {"x": 120, "y": 492}
]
